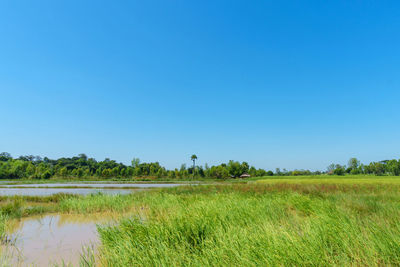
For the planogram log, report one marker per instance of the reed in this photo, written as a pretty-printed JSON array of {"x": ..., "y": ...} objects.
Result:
[{"x": 253, "y": 225}]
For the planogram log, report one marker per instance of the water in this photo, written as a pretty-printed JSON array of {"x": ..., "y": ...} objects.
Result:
[
  {"x": 94, "y": 185},
  {"x": 75, "y": 188},
  {"x": 52, "y": 191},
  {"x": 52, "y": 239},
  {"x": 57, "y": 239}
]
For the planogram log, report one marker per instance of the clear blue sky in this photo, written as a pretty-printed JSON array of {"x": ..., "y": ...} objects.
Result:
[{"x": 289, "y": 84}]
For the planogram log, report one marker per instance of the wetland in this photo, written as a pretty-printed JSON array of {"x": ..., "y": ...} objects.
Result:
[{"x": 241, "y": 224}]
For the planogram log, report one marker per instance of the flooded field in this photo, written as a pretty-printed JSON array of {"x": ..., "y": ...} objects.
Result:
[
  {"x": 52, "y": 239},
  {"x": 91, "y": 185},
  {"x": 52, "y": 191},
  {"x": 58, "y": 239},
  {"x": 75, "y": 188}
]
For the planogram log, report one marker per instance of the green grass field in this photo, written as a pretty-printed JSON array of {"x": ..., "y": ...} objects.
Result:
[
  {"x": 267, "y": 179},
  {"x": 253, "y": 225},
  {"x": 272, "y": 222},
  {"x": 333, "y": 179}
]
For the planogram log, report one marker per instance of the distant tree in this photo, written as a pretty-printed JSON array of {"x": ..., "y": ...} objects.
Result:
[
  {"x": 115, "y": 171},
  {"x": 219, "y": 172},
  {"x": 331, "y": 168},
  {"x": 378, "y": 168},
  {"x": 296, "y": 172},
  {"x": 252, "y": 171},
  {"x": 393, "y": 167},
  {"x": 87, "y": 172},
  {"x": 79, "y": 172},
  {"x": 46, "y": 175},
  {"x": 355, "y": 171},
  {"x": 234, "y": 168},
  {"x": 38, "y": 159},
  {"x": 4, "y": 156},
  {"x": 245, "y": 168},
  {"x": 183, "y": 167},
  {"x": 353, "y": 163},
  {"x": 26, "y": 158},
  {"x": 135, "y": 162},
  {"x": 261, "y": 172},
  {"x": 30, "y": 169},
  {"x": 63, "y": 172},
  {"x": 301, "y": 172},
  {"x": 339, "y": 171},
  {"x": 82, "y": 156},
  {"x": 194, "y": 158},
  {"x": 106, "y": 173}
]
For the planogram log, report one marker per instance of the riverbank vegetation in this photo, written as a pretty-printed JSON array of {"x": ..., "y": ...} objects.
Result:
[
  {"x": 242, "y": 224},
  {"x": 84, "y": 168},
  {"x": 253, "y": 225}
]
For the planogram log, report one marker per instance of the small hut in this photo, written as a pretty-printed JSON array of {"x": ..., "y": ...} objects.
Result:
[{"x": 245, "y": 175}]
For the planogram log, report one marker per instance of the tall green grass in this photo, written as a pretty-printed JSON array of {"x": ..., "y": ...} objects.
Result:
[
  {"x": 332, "y": 179},
  {"x": 253, "y": 225},
  {"x": 95, "y": 203}
]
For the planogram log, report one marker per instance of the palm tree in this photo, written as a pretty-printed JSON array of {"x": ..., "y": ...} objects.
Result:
[{"x": 194, "y": 158}]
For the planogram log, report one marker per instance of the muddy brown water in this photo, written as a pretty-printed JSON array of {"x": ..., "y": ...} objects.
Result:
[
  {"x": 52, "y": 239},
  {"x": 58, "y": 239}
]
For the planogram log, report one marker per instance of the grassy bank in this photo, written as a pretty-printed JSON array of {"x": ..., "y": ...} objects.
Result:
[
  {"x": 331, "y": 179},
  {"x": 252, "y": 224}
]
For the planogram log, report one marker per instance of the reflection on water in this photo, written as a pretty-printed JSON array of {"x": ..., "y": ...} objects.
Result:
[
  {"x": 57, "y": 239},
  {"x": 95, "y": 185},
  {"x": 74, "y": 188},
  {"x": 52, "y": 239},
  {"x": 52, "y": 191}
]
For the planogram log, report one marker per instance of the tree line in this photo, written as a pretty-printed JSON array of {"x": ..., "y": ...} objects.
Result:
[
  {"x": 384, "y": 167},
  {"x": 35, "y": 167}
]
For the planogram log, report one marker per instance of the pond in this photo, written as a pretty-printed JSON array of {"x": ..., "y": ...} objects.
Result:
[
  {"x": 75, "y": 188},
  {"x": 52, "y": 239},
  {"x": 93, "y": 185},
  {"x": 58, "y": 239},
  {"x": 52, "y": 191}
]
